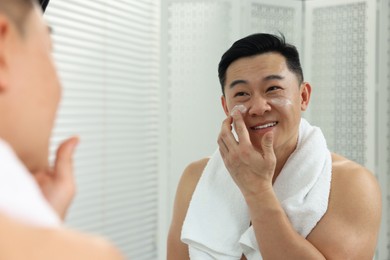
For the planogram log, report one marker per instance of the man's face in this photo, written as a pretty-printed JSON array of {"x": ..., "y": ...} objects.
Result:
[
  {"x": 30, "y": 91},
  {"x": 272, "y": 95}
]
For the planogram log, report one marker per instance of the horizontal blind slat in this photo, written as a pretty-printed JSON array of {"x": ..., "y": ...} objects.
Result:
[{"x": 107, "y": 57}]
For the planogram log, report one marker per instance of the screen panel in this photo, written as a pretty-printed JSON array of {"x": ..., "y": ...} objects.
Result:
[
  {"x": 275, "y": 17},
  {"x": 198, "y": 34},
  {"x": 340, "y": 61}
]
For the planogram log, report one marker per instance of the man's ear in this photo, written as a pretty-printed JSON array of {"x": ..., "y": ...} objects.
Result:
[
  {"x": 5, "y": 27},
  {"x": 305, "y": 92},
  {"x": 224, "y": 105}
]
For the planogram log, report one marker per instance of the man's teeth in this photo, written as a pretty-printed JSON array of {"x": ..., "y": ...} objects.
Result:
[{"x": 265, "y": 126}]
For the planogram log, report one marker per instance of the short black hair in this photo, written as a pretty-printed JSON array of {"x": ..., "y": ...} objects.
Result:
[
  {"x": 257, "y": 44},
  {"x": 44, "y": 4}
]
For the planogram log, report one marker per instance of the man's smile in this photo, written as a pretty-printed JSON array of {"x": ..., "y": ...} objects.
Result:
[{"x": 263, "y": 126}]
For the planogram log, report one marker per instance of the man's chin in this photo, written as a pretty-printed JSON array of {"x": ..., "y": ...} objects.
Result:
[{"x": 257, "y": 145}]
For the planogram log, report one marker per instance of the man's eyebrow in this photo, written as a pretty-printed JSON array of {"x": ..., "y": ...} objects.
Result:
[
  {"x": 267, "y": 78},
  {"x": 236, "y": 82},
  {"x": 273, "y": 77}
]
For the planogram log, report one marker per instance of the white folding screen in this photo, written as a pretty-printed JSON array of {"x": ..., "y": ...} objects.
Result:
[
  {"x": 107, "y": 54},
  {"x": 274, "y": 16},
  {"x": 386, "y": 82},
  {"x": 342, "y": 56},
  {"x": 340, "y": 64},
  {"x": 197, "y": 34},
  {"x": 383, "y": 118},
  {"x": 386, "y": 74}
]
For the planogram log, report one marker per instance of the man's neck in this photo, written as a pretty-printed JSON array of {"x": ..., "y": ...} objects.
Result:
[{"x": 282, "y": 154}]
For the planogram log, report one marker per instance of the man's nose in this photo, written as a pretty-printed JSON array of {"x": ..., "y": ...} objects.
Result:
[{"x": 258, "y": 106}]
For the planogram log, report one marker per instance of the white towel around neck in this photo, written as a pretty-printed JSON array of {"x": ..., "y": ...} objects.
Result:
[
  {"x": 20, "y": 195},
  {"x": 217, "y": 224}
]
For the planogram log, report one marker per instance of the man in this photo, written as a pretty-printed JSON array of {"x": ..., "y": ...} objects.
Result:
[
  {"x": 33, "y": 196},
  {"x": 335, "y": 212}
]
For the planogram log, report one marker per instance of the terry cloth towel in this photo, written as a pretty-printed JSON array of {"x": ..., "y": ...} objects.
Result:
[
  {"x": 217, "y": 224},
  {"x": 20, "y": 195}
]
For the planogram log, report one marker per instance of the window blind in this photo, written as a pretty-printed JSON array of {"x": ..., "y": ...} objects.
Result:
[{"x": 107, "y": 54}]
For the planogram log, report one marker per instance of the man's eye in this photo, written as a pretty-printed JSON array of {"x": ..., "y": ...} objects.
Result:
[
  {"x": 273, "y": 88},
  {"x": 240, "y": 94}
]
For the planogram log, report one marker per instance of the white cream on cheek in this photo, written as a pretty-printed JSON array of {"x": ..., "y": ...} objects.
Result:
[
  {"x": 280, "y": 102},
  {"x": 276, "y": 101}
]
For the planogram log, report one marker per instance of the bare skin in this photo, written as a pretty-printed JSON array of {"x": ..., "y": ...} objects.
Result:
[
  {"x": 353, "y": 214},
  {"x": 19, "y": 241},
  {"x": 349, "y": 228},
  {"x": 57, "y": 183}
]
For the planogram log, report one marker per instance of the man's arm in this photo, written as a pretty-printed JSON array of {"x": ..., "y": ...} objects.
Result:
[
  {"x": 277, "y": 239},
  {"x": 275, "y": 235},
  {"x": 185, "y": 189},
  {"x": 253, "y": 172},
  {"x": 19, "y": 241},
  {"x": 349, "y": 229}
]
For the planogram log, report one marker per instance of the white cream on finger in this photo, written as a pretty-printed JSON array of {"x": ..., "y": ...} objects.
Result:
[{"x": 240, "y": 108}]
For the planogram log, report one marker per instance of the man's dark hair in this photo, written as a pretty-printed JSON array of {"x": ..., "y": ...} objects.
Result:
[
  {"x": 256, "y": 44},
  {"x": 44, "y": 4}
]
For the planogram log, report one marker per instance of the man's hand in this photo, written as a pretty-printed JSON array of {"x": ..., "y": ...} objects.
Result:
[
  {"x": 251, "y": 170},
  {"x": 57, "y": 184}
]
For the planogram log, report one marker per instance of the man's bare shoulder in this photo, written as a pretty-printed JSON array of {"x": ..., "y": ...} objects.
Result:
[
  {"x": 347, "y": 174},
  {"x": 185, "y": 189},
  {"x": 354, "y": 190},
  {"x": 351, "y": 223},
  {"x": 188, "y": 181},
  {"x": 193, "y": 171},
  {"x": 190, "y": 178}
]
